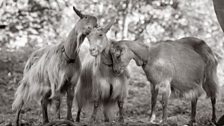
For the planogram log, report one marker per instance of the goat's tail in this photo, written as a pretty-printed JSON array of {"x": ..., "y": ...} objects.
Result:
[
  {"x": 21, "y": 95},
  {"x": 210, "y": 84},
  {"x": 211, "y": 80}
]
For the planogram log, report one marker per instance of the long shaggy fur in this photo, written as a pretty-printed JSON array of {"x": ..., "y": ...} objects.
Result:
[
  {"x": 109, "y": 87},
  {"x": 54, "y": 70},
  {"x": 84, "y": 87},
  {"x": 23, "y": 90},
  {"x": 43, "y": 74},
  {"x": 34, "y": 57}
]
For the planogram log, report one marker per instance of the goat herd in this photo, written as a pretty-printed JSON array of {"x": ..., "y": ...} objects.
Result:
[{"x": 186, "y": 67}]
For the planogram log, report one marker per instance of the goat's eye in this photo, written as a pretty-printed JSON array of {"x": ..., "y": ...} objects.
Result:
[
  {"x": 118, "y": 55},
  {"x": 100, "y": 35}
]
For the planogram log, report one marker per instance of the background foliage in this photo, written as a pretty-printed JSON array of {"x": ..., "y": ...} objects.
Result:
[
  {"x": 26, "y": 25},
  {"x": 30, "y": 24}
]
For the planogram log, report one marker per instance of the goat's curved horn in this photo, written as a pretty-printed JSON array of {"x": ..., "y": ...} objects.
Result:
[
  {"x": 78, "y": 12},
  {"x": 108, "y": 26}
]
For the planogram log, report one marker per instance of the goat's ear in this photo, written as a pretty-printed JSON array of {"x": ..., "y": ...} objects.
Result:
[
  {"x": 78, "y": 12},
  {"x": 113, "y": 42},
  {"x": 108, "y": 26},
  {"x": 139, "y": 62}
]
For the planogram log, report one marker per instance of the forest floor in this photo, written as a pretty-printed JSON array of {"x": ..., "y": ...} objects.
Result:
[{"x": 137, "y": 108}]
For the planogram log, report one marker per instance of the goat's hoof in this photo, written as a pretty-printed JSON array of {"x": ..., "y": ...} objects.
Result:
[
  {"x": 77, "y": 120},
  {"x": 153, "y": 122},
  {"x": 162, "y": 122},
  {"x": 45, "y": 122},
  {"x": 152, "y": 119},
  {"x": 9, "y": 124},
  {"x": 70, "y": 119},
  {"x": 191, "y": 123},
  {"x": 106, "y": 120},
  {"x": 92, "y": 121},
  {"x": 121, "y": 120},
  {"x": 213, "y": 124},
  {"x": 214, "y": 120}
]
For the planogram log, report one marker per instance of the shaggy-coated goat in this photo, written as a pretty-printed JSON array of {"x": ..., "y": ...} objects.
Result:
[
  {"x": 98, "y": 83},
  {"x": 186, "y": 67},
  {"x": 54, "y": 70}
]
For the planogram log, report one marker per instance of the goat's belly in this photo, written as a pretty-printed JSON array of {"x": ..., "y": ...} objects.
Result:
[{"x": 189, "y": 90}]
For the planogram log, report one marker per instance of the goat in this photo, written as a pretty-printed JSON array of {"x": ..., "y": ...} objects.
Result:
[
  {"x": 185, "y": 66},
  {"x": 98, "y": 83},
  {"x": 54, "y": 70}
]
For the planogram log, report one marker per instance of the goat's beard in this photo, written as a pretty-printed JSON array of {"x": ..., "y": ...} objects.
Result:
[
  {"x": 97, "y": 60},
  {"x": 96, "y": 64},
  {"x": 79, "y": 41}
]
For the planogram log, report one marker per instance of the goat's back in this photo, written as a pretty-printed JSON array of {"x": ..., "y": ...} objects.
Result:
[
  {"x": 175, "y": 62},
  {"x": 210, "y": 84},
  {"x": 34, "y": 57}
]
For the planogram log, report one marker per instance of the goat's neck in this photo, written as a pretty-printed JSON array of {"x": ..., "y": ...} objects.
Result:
[
  {"x": 140, "y": 52},
  {"x": 103, "y": 61},
  {"x": 72, "y": 43},
  {"x": 106, "y": 58}
]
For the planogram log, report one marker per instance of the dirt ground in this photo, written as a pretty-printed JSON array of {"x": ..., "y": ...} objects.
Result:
[{"x": 137, "y": 108}]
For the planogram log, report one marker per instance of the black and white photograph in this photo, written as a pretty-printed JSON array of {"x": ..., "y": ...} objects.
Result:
[{"x": 111, "y": 62}]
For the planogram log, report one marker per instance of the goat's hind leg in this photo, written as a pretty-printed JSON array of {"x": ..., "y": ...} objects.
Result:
[
  {"x": 166, "y": 92},
  {"x": 17, "y": 123},
  {"x": 193, "y": 111},
  {"x": 44, "y": 111},
  {"x": 120, "y": 104},
  {"x": 106, "y": 113},
  {"x": 44, "y": 103},
  {"x": 58, "y": 104},
  {"x": 213, "y": 101},
  {"x": 78, "y": 114}
]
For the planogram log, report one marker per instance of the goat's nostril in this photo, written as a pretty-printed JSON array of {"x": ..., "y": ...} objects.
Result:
[
  {"x": 89, "y": 28},
  {"x": 115, "y": 71}
]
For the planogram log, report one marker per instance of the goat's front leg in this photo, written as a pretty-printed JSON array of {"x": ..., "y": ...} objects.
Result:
[
  {"x": 154, "y": 92},
  {"x": 121, "y": 110},
  {"x": 95, "y": 95},
  {"x": 106, "y": 113},
  {"x": 95, "y": 109},
  {"x": 70, "y": 97}
]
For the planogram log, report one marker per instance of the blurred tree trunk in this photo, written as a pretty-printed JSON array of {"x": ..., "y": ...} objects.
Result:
[
  {"x": 127, "y": 10},
  {"x": 219, "y": 10}
]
